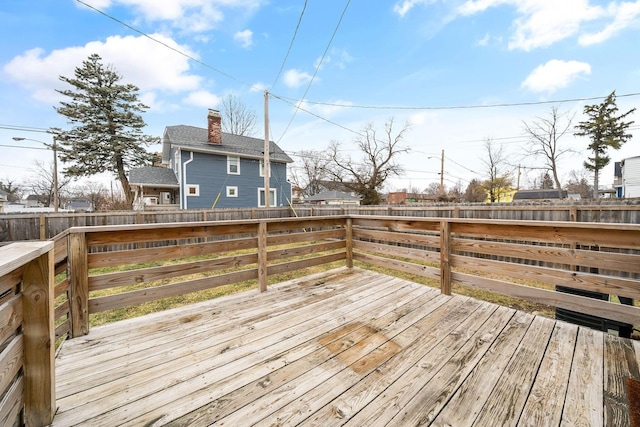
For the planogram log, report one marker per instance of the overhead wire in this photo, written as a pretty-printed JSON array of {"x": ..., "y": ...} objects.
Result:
[
  {"x": 319, "y": 64},
  {"x": 178, "y": 51},
  {"x": 295, "y": 33}
]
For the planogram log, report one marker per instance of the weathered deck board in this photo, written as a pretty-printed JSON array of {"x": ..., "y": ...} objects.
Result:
[{"x": 351, "y": 347}]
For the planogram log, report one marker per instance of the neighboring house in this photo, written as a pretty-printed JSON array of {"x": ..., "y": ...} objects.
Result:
[
  {"x": 36, "y": 201},
  {"x": 630, "y": 174},
  {"x": 334, "y": 197},
  {"x": 537, "y": 195},
  {"x": 4, "y": 198},
  {"x": 297, "y": 194},
  {"x": 78, "y": 204},
  {"x": 154, "y": 186},
  {"x": 617, "y": 179},
  {"x": 222, "y": 170}
]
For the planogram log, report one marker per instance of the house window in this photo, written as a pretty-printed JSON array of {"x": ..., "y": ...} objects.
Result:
[
  {"x": 193, "y": 190},
  {"x": 272, "y": 197},
  {"x": 233, "y": 165},
  {"x": 262, "y": 168},
  {"x": 232, "y": 191}
]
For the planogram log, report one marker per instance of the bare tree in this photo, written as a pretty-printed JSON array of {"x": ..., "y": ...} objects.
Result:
[
  {"x": 13, "y": 189},
  {"x": 367, "y": 176},
  {"x": 578, "y": 183},
  {"x": 310, "y": 170},
  {"x": 498, "y": 180},
  {"x": 95, "y": 192},
  {"x": 41, "y": 183},
  {"x": 544, "y": 134},
  {"x": 237, "y": 118}
]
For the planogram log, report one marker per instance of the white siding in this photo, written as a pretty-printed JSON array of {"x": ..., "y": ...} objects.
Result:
[{"x": 631, "y": 177}]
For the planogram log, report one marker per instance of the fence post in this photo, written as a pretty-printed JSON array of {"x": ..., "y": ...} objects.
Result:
[
  {"x": 349, "y": 242},
  {"x": 262, "y": 256},
  {"x": 445, "y": 249},
  {"x": 43, "y": 227},
  {"x": 78, "y": 284},
  {"x": 39, "y": 340}
]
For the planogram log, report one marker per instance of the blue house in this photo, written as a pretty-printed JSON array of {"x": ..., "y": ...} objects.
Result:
[{"x": 222, "y": 170}]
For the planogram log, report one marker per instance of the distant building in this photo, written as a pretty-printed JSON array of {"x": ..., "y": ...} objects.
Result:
[
  {"x": 154, "y": 187},
  {"x": 78, "y": 204},
  {"x": 630, "y": 178},
  {"x": 538, "y": 195},
  {"x": 334, "y": 198}
]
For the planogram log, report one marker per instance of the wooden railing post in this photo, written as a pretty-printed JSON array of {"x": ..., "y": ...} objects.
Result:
[
  {"x": 445, "y": 249},
  {"x": 349, "y": 242},
  {"x": 78, "y": 284},
  {"x": 262, "y": 256},
  {"x": 39, "y": 340}
]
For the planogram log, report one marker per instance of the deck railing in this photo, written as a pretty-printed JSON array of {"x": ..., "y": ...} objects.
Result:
[
  {"x": 94, "y": 269},
  {"x": 27, "y": 377}
]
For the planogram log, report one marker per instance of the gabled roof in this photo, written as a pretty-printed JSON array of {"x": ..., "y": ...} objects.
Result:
[
  {"x": 332, "y": 195},
  {"x": 195, "y": 138},
  {"x": 153, "y": 176}
]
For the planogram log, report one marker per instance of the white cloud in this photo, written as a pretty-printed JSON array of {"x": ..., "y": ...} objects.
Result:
[
  {"x": 540, "y": 23},
  {"x": 258, "y": 87},
  {"x": 295, "y": 78},
  {"x": 624, "y": 15},
  {"x": 245, "y": 38},
  {"x": 404, "y": 6},
  {"x": 138, "y": 60},
  {"x": 202, "y": 98},
  {"x": 188, "y": 15},
  {"x": 555, "y": 74}
]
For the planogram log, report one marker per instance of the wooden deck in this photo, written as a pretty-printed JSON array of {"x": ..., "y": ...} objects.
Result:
[{"x": 352, "y": 347}]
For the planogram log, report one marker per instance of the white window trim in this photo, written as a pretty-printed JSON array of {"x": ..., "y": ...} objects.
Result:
[
  {"x": 275, "y": 197},
  {"x": 197, "y": 188},
  {"x": 229, "y": 158},
  {"x": 234, "y": 189},
  {"x": 262, "y": 168}
]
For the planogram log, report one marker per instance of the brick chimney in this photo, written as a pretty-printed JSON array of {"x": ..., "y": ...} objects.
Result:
[{"x": 214, "y": 127}]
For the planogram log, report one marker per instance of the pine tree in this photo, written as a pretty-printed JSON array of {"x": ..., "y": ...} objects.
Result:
[
  {"x": 606, "y": 130},
  {"x": 107, "y": 126}
]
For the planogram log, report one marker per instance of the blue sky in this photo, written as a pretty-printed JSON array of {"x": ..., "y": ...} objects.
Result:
[{"x": 422, "y": 55}]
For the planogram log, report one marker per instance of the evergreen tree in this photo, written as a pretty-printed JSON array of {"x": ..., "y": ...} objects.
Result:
[
  {"x": 107, "y": 125},
  {"x": 606, "y": 129}
]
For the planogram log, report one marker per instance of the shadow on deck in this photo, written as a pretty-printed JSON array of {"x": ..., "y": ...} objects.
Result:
[{"x": 348, "y": 347}]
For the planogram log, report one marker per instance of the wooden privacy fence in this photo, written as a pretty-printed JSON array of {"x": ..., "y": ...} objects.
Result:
[
  {"x": 18, "y": 227},
  {"x": 95, "y": 269}
]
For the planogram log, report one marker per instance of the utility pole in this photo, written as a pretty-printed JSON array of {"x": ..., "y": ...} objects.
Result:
[
  {"x": 267, "y": 192},
  {"x": 442, "y": 174},
  {"x": 518, "y": 185},
  {"x": 55, "y": 174}
]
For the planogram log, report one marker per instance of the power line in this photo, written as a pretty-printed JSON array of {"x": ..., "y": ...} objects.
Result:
[
  {"x": 315, "y": 73},
  {"x": 295, "y": 33},
  {"x": 24, "y": 128},
  {"x": 457, "y": 107},
  {"x": 178, "y": 51}
]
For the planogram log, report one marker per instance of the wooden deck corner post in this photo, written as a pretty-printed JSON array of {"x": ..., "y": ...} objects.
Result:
[
  {"x": 39, "y": 340},
  {"x": 445, "y": 249},
  {"x": 349, "y": 242},
  {"x": 78, "y": 284},
  {"x": 262, "y": 256}
]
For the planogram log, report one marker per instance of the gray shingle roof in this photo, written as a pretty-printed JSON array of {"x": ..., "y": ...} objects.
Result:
[
  {"x": 149, "y": 175},
  {"x": 243, "y": 146},
  {"x": 538, "y": 194},
  {"x": 332, "y": 195}
]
